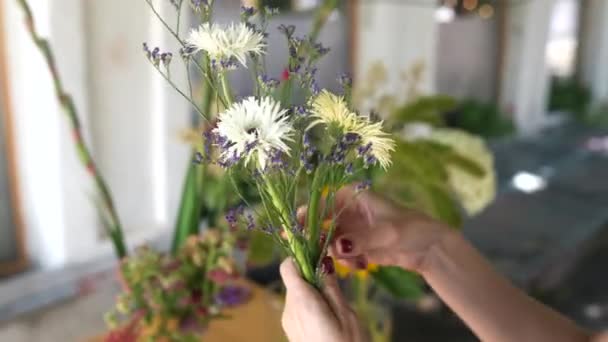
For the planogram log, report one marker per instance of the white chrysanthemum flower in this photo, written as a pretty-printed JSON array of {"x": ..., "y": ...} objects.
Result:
[
  {"x": 329, "y": 109},
  {"x": 473, "y": 192},
  {"x": 254, "y": 127},
  {"x": 225, "y": 43}
]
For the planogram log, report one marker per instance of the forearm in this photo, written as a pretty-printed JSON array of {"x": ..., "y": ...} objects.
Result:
[{"x": 493, "y": 308}]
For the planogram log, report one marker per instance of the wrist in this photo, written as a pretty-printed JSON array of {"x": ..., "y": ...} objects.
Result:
[{"x": 439, "y": 251}]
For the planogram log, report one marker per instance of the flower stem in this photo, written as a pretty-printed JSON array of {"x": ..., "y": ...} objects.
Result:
[
  {"x": 298, "y": 248},
  {"x": 114, "y": 226},
  {"x": 321, "y": 16},
  {"x": 312, "y": 220},
  {"x": 229, "y": 98}
]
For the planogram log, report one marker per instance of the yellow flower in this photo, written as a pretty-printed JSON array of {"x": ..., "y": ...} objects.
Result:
[
  {"x": 344, "y": 271},
  {"x": 473, "y": 192},
  {"x": 332, "y": 111}
]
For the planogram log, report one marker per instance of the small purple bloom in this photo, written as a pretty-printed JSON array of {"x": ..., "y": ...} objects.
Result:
[
  {"x": 363, "y": 150},
  {"x": 166, "y": 58},
  {"x": 247, "y": 11},
  {"x": 349, "y": 169},
  {"x": 232, "y": 296},
  {"x": 365, "y": 185},
  {"x": 287, "y": 30},
  {"x": 345, "y": 80},
  {"x": 351, "y": 138},
  {"x": 198, "y": 158},
  {"x": 250, "y": 222},
  {"x": 268, "y": 229}
]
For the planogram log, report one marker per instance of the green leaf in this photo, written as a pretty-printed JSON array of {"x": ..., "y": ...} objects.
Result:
[
  {"x": 427, "y": 109},
  {"x": 188, "y": 217},
  {"x": 448, "y": 156},
  {"x": 399, "y": 282}
]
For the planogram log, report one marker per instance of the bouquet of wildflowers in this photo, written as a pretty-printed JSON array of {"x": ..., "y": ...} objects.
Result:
[
  {"x": 175, "y": 296},
  {"x": 293, "y": 154}
]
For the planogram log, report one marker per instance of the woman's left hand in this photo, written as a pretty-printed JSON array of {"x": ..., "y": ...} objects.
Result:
[{"x": 311, "y": 316}]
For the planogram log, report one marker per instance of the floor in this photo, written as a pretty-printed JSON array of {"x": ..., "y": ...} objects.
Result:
[
  {"x": 75, "y": 319},
  {"x": 559, "y": 254}
]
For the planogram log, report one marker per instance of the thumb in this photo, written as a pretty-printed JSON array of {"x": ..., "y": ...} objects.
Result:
[{"x": 291, "y": 277}]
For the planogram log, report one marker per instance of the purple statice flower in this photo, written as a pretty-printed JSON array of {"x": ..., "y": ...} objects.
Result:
[
  {"x": 247, "y": 12},
  {"x": 349, "y": 169},
  {"x": 166, "y": 58},
  {"x": 226, "y": 64},
  {"x": 370, "y": 160},
  {"x": 268, "y": 82},
  {"x": 198, "y": 158},
  {"x": 295, "y": 68},
  {"x": 287, "y": 30},
  {"x": 232, "y": 295},
  {"x": 228, "y": 160},
  {"x": 351, "y": 138},
  {"x": 364, "y": 150},
  {"x": 147, "y": 50},
  {"x": 250, "y": 222},
  {"x": 314, "y": 88},
  {"x": 208, "y": 139},
  {"x": 187, "y": 51},
  {"x": 296, "y": 226},
  {"x": 268, "y": 229},
  {"x": 299, "y": 110},
  {"x": 321, "y": 50},
  {"x": 365, "y": 185},
  {"x": 232, "y": 218},
  {"x": 250, "y": 146},
  {"x": 198, "y": 5},
  {"x": 307, "y": 154},
  {"x": 277, "y": 160},
  {"x": 155, "y": 57},
  {"x": 345, "y": 80}
]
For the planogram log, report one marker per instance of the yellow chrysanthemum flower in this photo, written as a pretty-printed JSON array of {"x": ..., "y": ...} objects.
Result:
[
  {"x": 331, "y": 110},
  {"x": 473, "y": 192}
]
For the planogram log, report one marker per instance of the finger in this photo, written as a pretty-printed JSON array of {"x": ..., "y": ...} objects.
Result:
[
  {"x": 333, "y": 294},
  {"x": 359, "y": 241}
]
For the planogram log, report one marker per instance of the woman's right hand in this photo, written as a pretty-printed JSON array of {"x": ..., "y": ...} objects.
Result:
[{"x": 371, "y": 229}]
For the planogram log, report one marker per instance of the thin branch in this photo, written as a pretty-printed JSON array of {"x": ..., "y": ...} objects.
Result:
[
  {"x": 84, "y": 153},
  {"x": 174, "y": 86}
]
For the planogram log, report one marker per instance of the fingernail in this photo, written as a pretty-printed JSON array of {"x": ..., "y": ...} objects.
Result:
[
  {"x": 346, "y": 246},
  {"x": 361, "y": 263},
  {"x": 327, "y": 265}
]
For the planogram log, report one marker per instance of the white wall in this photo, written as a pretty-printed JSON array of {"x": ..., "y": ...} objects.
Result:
[
  {"x": 129, "y": 116},
  {"x": 399, "y": 34},
  {"x": 467, "y": 58},
  {"x": 525, "y": 77}
]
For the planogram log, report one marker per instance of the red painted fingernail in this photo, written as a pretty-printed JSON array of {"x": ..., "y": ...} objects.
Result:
[
  {"x": 346, "y": 246},
  {"x": 327, "y": 265}
]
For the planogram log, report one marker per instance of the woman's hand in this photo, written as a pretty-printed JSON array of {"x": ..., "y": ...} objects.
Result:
[
  {"x": 311, "y": 316},
  {"x": 372, "y": 229}
]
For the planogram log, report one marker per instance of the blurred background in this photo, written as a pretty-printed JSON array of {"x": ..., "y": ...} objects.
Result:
[{"x": 529, "y": 76}]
